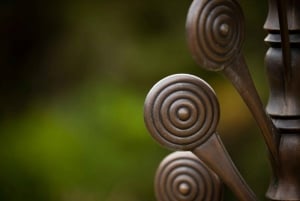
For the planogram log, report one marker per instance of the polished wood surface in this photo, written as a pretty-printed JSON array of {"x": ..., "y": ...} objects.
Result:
[
  {"x": 182, "y": 111},
  {"x": 283, "y": 70},
  {"x": 183, "y": 176}
]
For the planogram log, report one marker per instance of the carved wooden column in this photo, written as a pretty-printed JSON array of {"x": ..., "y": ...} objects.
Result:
[
  {"x": 182, "y": 111},
  {"x": 283, "y": 69}
]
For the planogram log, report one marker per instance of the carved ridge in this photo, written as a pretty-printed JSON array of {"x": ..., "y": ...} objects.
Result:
[
  {"x": 182, "y": 176},
  {"x": 215, "y": 32},
  {"x": 181, "y": 111}
]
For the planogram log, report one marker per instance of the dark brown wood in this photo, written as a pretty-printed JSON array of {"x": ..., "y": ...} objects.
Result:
[
  {"x": 283, "y": 69},
  {"x": 182, "y": 111},
  {"x": 182, "y": 176}
]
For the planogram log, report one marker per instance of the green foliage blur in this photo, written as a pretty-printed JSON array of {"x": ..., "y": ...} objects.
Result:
[{"x": 74, "y": 76}]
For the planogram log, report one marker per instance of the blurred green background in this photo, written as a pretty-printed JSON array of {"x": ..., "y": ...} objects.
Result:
[{"x": 74, "y": 75}]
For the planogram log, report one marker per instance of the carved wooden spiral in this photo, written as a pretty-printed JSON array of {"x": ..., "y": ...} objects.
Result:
[
  {"x": 181, "y": 176},
  {"x": 181, "y": 111},
  {"x": 215, "y": 31}
]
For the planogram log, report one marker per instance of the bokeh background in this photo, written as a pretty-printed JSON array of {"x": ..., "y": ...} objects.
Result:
[{"x": 74, "y": 76}]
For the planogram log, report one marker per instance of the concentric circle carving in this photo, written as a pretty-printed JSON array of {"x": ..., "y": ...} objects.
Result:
[
  {"x": 215, "y": 31},
  {"x": 181, "y": 111},
  {"x": 181, "y": 176}
]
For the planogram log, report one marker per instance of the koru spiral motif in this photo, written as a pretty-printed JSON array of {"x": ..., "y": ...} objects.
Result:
[
  {"x": 181, "y": 176},
  {"x": 181, "y": 111},
  {"x": 215, "y": 32}
]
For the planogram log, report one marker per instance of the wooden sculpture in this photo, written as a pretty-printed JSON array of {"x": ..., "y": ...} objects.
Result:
[{"x": 182, "y": 111}]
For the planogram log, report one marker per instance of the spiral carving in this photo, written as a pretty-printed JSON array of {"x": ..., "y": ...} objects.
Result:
[
  {"x": 181, "y": 111},
  {"x": 215, "y": 31},
  {"x": 181, "y": 176}
]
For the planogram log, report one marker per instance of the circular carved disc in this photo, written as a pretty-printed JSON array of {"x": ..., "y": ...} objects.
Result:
[
  {"x": 181, "y": 176},
  {"x": 181, "y": 111},
  {"x": 215, "y": 31}
]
